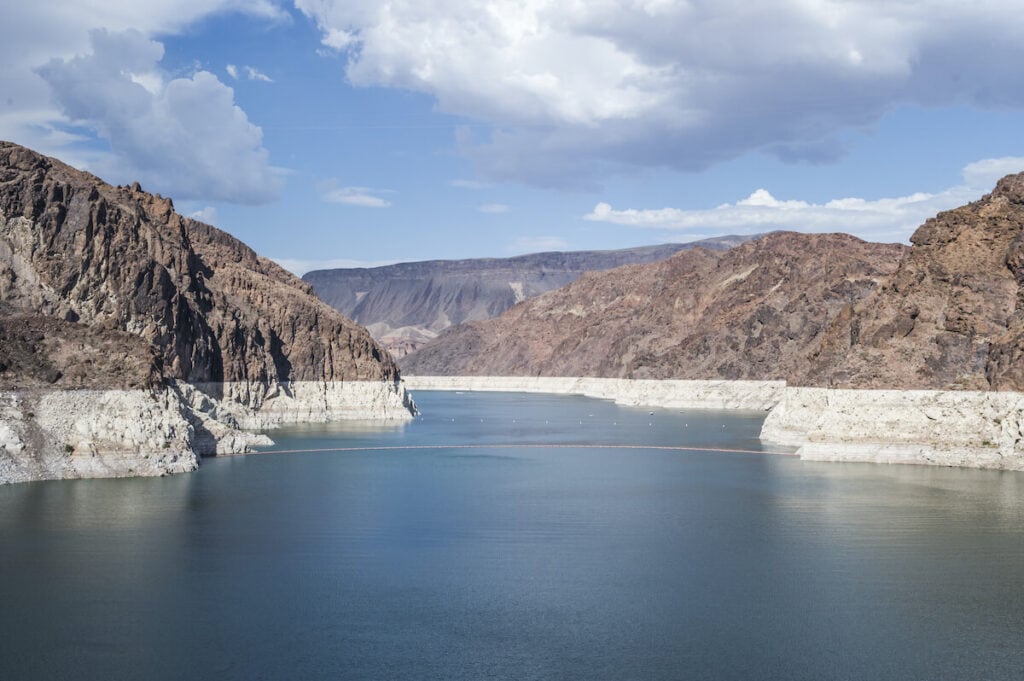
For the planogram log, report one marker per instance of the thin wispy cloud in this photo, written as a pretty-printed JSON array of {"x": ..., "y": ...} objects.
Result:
[
  {"x": 884, "y": 219},
  {"x": 251, "y": 73},
  {"x": 365, "y": 197},
  {"x": 256, "y": 74},
  {"x": 469, "y": 184},
  {"x": 538, "y": 244},
  {"x": 493, "y": 208}
]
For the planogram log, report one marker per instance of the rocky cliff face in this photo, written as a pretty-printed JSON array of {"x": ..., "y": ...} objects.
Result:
[
  {"x": 757, "y": 311},
  {"x": 110, "y": 300},
  {"x": 78, "y": 251},
  {"x": 951, "y": 316},
  {"x": 408, "y": 304}
]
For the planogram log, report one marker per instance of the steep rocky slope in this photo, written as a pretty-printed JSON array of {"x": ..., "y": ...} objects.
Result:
[
  {"x": 108, "y": 288},
  {"x": 756, "y": 311},
  {"x": 952, "y": 315},
  {"x": 408, "y": 304},
  {"x": 76, "y": 249}
]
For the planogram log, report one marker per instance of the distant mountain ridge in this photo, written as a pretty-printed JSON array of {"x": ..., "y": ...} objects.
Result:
[{"x": 408, "y": 304}]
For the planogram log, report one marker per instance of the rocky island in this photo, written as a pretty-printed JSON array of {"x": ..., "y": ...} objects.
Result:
[{"x": 134, "y": 340}]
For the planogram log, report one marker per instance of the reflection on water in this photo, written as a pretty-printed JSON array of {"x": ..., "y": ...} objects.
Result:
[{"x": 531, "y": 563}]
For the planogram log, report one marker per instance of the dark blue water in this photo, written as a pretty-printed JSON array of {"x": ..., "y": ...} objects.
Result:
[{"x": 562, "y": 563}]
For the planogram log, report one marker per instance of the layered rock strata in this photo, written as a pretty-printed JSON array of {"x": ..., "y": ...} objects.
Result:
[{"x": 108, "y": 288}]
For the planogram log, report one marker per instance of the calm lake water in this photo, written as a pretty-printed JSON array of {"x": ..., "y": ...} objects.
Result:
[{"x": 518, "y": 563}]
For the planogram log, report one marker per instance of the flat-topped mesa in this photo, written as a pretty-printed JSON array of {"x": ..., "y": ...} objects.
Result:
[{"x": 108, "y": 288}]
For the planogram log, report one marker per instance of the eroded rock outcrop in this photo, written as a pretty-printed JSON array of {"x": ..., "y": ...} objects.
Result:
[
  {"x": 951, "y": 316},
  {"x": 108, "y": 288}
]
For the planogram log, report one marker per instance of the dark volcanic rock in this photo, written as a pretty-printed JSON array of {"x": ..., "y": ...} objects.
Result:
[
  {"x": 408, "y": 304},
  {"x": 88, "y": 264},
  {"x": 757, "y": 311}
]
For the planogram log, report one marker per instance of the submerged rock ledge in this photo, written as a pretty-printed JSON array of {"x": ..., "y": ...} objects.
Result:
[
  {"x": 50, "y": 434},
  {"x": 936, "y": 427}
]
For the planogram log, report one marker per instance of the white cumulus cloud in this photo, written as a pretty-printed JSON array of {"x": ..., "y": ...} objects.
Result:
[
  {"x": 885, "y": 219},
  {"x": 207, "y": 214},
  {"x": 579, "y": 89},
  {"x": 39, "y": 34},
  {"x": 184, "y": 136}
]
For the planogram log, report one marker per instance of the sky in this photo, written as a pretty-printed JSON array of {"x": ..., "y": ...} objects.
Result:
[{"x": 331, "y": 133}]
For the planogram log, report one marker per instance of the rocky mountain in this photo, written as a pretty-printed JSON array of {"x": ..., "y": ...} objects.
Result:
[
  {"x": 108, "y": 288},
  {"x": 756, "y": 311},
  {"x": 75, "y": 249},
  {"x": 408, "y": 304},
  {"x": 952, "y": 315},
  {"x": 815, "y": 310}
]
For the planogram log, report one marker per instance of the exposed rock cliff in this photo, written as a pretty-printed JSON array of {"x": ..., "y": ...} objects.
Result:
[
  {"x": 408, "y": 304},
  {"x": 74, "y": 248},
  {"x": 757, "y": 311},
  {"x": 107, "y": 287},
  {"x": 951, "y": 316}
]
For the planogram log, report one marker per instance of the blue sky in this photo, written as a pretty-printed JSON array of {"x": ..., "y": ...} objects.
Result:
[{"x": 338, "y": 133}]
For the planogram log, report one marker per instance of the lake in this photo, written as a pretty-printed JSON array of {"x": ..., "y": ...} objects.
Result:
[{"x": 458, "y": 547}]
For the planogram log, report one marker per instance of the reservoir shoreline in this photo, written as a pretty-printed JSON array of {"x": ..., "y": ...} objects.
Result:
[
  {"x": 969, "y": 429},
  {"x": 73, "y": 434}
]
